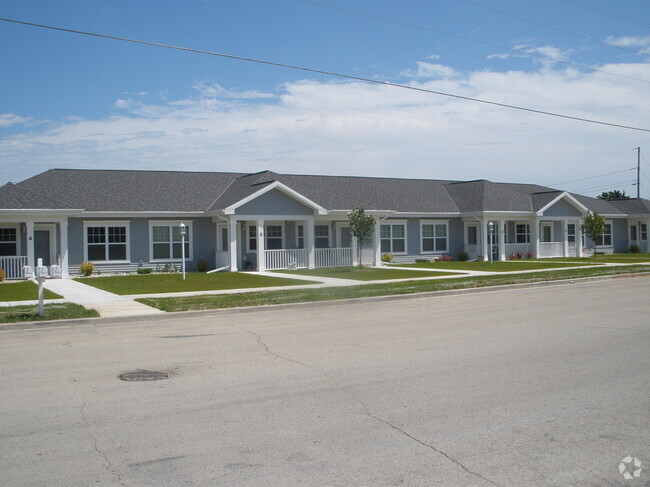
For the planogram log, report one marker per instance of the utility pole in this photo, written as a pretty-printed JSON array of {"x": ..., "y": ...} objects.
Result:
[{"x": 638, "y": 172}]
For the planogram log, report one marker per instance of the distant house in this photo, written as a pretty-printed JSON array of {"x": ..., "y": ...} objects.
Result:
[{"x": 122, "y": 220}]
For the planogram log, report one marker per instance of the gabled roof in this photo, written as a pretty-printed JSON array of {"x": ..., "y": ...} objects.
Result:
[
  {"x": 483, "y": 195},
  {"x": 18, "y": 198},
  {"x": 633, "y": 206},
  {"x": 602, "y": 207}
]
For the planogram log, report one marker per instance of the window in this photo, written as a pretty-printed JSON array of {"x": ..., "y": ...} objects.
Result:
[
  {"x": 106, "y": 241},
  {"x": 522, "y": 233},
  {"x": 633, "y": 233},
  {"x": 571, "y": 232},
  {"x": 223, "y": 237},
  {"x": 321, "y": 236},
  {"x": 393, "y": 238},
  {"x": 644, "y": 231},
  {"x": 274, "y": 237},
  {"x": 434, "y": 237},
  {"x": 8, "y": 241},
  {"x": 166, "y": 241},
  {"x": 606, "y": 238},
  {"x": 300, "y": 241},
  {"x": 472, "y": 235},
  {"x": 252, "y": 238}
]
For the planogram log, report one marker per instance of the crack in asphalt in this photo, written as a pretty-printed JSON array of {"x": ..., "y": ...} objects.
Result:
[
  {"x": 369, "y": 413},
  {"x": 108, "y": 465}
]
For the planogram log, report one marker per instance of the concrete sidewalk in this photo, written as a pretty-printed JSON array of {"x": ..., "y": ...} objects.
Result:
[{"x": 105, "y": 303}]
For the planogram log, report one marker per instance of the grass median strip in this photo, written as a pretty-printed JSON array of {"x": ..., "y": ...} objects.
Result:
[
  {"x": 195, "y": 281},
  {"x": 365, "y": 273},
  {"x": 64, "y": 311},
  {"x": 369, "y": 290},
  {"x": 508, "y": 266},
  {"x": 23, "y": 291}
]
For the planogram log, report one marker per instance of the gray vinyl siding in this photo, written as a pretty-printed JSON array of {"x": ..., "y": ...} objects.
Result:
[
  {"x": 203, "y": 245},
  {"x": 274, "y": 203},
  {"x": 562, "y": 208}
]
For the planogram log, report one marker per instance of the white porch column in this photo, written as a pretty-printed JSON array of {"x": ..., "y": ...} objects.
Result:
[
  {"x": 377, "y": 244},
  {"x": 535, "y": 226},
  {"x": 30, "y": 244},
  {"x": 355, "y": 250},
  {"x": 578, "y": 239},
  {"x": 261, "y": 261},
  {"x": 565, "y": 229},
  {"x": 502, "y": 240},
  {"x": 63, "y": 226},
  {"x": 310, "y": 243},
  {"x": 485, "y": 231},
  {"x": 232, "y": 245}
]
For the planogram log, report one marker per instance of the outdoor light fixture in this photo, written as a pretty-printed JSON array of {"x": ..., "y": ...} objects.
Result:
[
  {"x": 182, "y": 227},
  {"x": 491, "y": 228}
]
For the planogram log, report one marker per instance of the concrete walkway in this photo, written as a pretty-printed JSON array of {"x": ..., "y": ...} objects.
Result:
[{"x": 105, "y": 303}]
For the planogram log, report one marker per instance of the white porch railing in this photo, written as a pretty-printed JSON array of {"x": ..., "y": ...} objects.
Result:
[
  {"x": 551, "y": 249},
  {"x": 333, "y": 257},
  {"x": 13, "y": 266},
  {"x": 515, "y": 248},
  {"x": 285, "y": 259}
]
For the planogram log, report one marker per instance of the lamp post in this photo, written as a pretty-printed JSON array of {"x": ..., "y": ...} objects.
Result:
[
  {"x": 182, "y": 227},
  {"x": 491, "y": 228}
]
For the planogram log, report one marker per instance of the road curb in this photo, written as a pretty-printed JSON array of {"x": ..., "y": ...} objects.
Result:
[{"x": 38, "y": 325}]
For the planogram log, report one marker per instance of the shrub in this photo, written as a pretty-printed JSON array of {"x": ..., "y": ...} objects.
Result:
[
  {"x": 143, "y": 270},
  {"x": 387, "y": 257},
  {"x": 448, "y": 258},
  {"x": 202, "y": 265},
  {"x": 512, "y": 256},
  {"x": 520, "y": 255},
  {"x": 529, "y": 255},
  {"x": 421, "y": 261},
  {"x": 635, "y": 249},
  {"x": 86, "y": 268},
  {"x": 2, "y": 275},
  {"x": 463, "y": 256}
]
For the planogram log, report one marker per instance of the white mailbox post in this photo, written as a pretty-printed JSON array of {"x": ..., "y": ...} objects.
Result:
[{"x": 41, "y": 275}]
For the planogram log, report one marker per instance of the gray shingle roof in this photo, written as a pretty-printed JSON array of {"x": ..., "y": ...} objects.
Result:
[{"x": 178, "y": 191}]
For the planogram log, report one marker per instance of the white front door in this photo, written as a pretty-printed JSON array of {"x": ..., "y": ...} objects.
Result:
[
  {"x": 547, "y": 232},
  {"x": 472, "y": 240}
]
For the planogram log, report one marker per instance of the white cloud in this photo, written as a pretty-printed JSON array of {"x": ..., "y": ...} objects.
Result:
[
  {"x": 547, "y": 56},
  {"x": 430, "y": 70},
  {"x": 628, "y": 41},
  {"x": 9, "y": 119},
  {"x": 337, "y": 127}
]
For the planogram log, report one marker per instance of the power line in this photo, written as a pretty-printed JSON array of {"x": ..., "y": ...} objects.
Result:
[
  {"x": 545, "y": 26},
  {"x": 608, "y": 13},
  {"x": 327, "y": 73},
  {"x": 593, "y": 177},
  {"x": 609, "y": 186},
  {"x": 477, "y": 41}
]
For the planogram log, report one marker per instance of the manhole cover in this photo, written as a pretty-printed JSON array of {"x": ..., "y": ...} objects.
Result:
[{"x": 144, "y": 375}]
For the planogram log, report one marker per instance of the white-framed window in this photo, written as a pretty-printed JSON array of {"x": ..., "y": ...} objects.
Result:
[
  {"x": 522, "y": 233},
  {"x": 251, "y": 238},
  {"x": 571, "y": 232},
  {"x": 434, "y": 237},
  {"x": 300, "y": 236},
  {"x": 644, "y": 231},
  {"x": 605, "y": 239},
  {"x": 166, "y": 240},
  {"x": 106, "y": 241},
  {"x": 222, "y": 238},
  {"x": 8, "y": 241},
  {"x": 274, "y": 236},
  {"x": 392, "y": 237},
  {"x": 322, "y": 236}
]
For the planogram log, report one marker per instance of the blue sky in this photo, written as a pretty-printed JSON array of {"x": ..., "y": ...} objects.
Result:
[{"x": 68, "y": 100}]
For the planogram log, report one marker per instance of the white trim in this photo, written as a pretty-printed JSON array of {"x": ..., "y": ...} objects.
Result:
[
  {"x": 230, "y": 210},
  {"x": 611, "y": 234},
  {"x": 434, "y": 223},
  {"x": 105, "y": 224},
  {"x": 572, "y": 201},
  {"x": 329, "y": 234},
  {"x": 220, "y": 227},
  {"x": 172, "y": 223},
  {"x": 541, "y": 233},
  {"x": 274, "y": 223},
  {"x": 248, "y": 237},
  {"x": 529, "y": 233},
  {"x": 391, "y": 223}
]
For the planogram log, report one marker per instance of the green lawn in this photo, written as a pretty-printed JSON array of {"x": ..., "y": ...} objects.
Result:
[
  {"x": 195, "y": 281},
  {"x": 626, "y": 258},
  {"x": 23, "y": 291},
  {"x": 407, "y": 287},
  {"x": 65, "y": 311},
  {"x": 364, "y": 273},
  {"x": 508, "y": 266}
]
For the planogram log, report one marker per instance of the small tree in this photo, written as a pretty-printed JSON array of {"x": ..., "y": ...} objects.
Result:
[
  {"x": 593, "y": 225},
  {"x": 613, "y": 195},
  {"x": 362, "y": 227}
]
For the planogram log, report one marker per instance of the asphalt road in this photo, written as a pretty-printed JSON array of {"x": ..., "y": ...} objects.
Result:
[{"x": 545, "y": 386}]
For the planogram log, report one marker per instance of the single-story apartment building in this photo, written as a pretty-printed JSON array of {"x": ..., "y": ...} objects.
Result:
[{"x": 121, "y": 220}]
